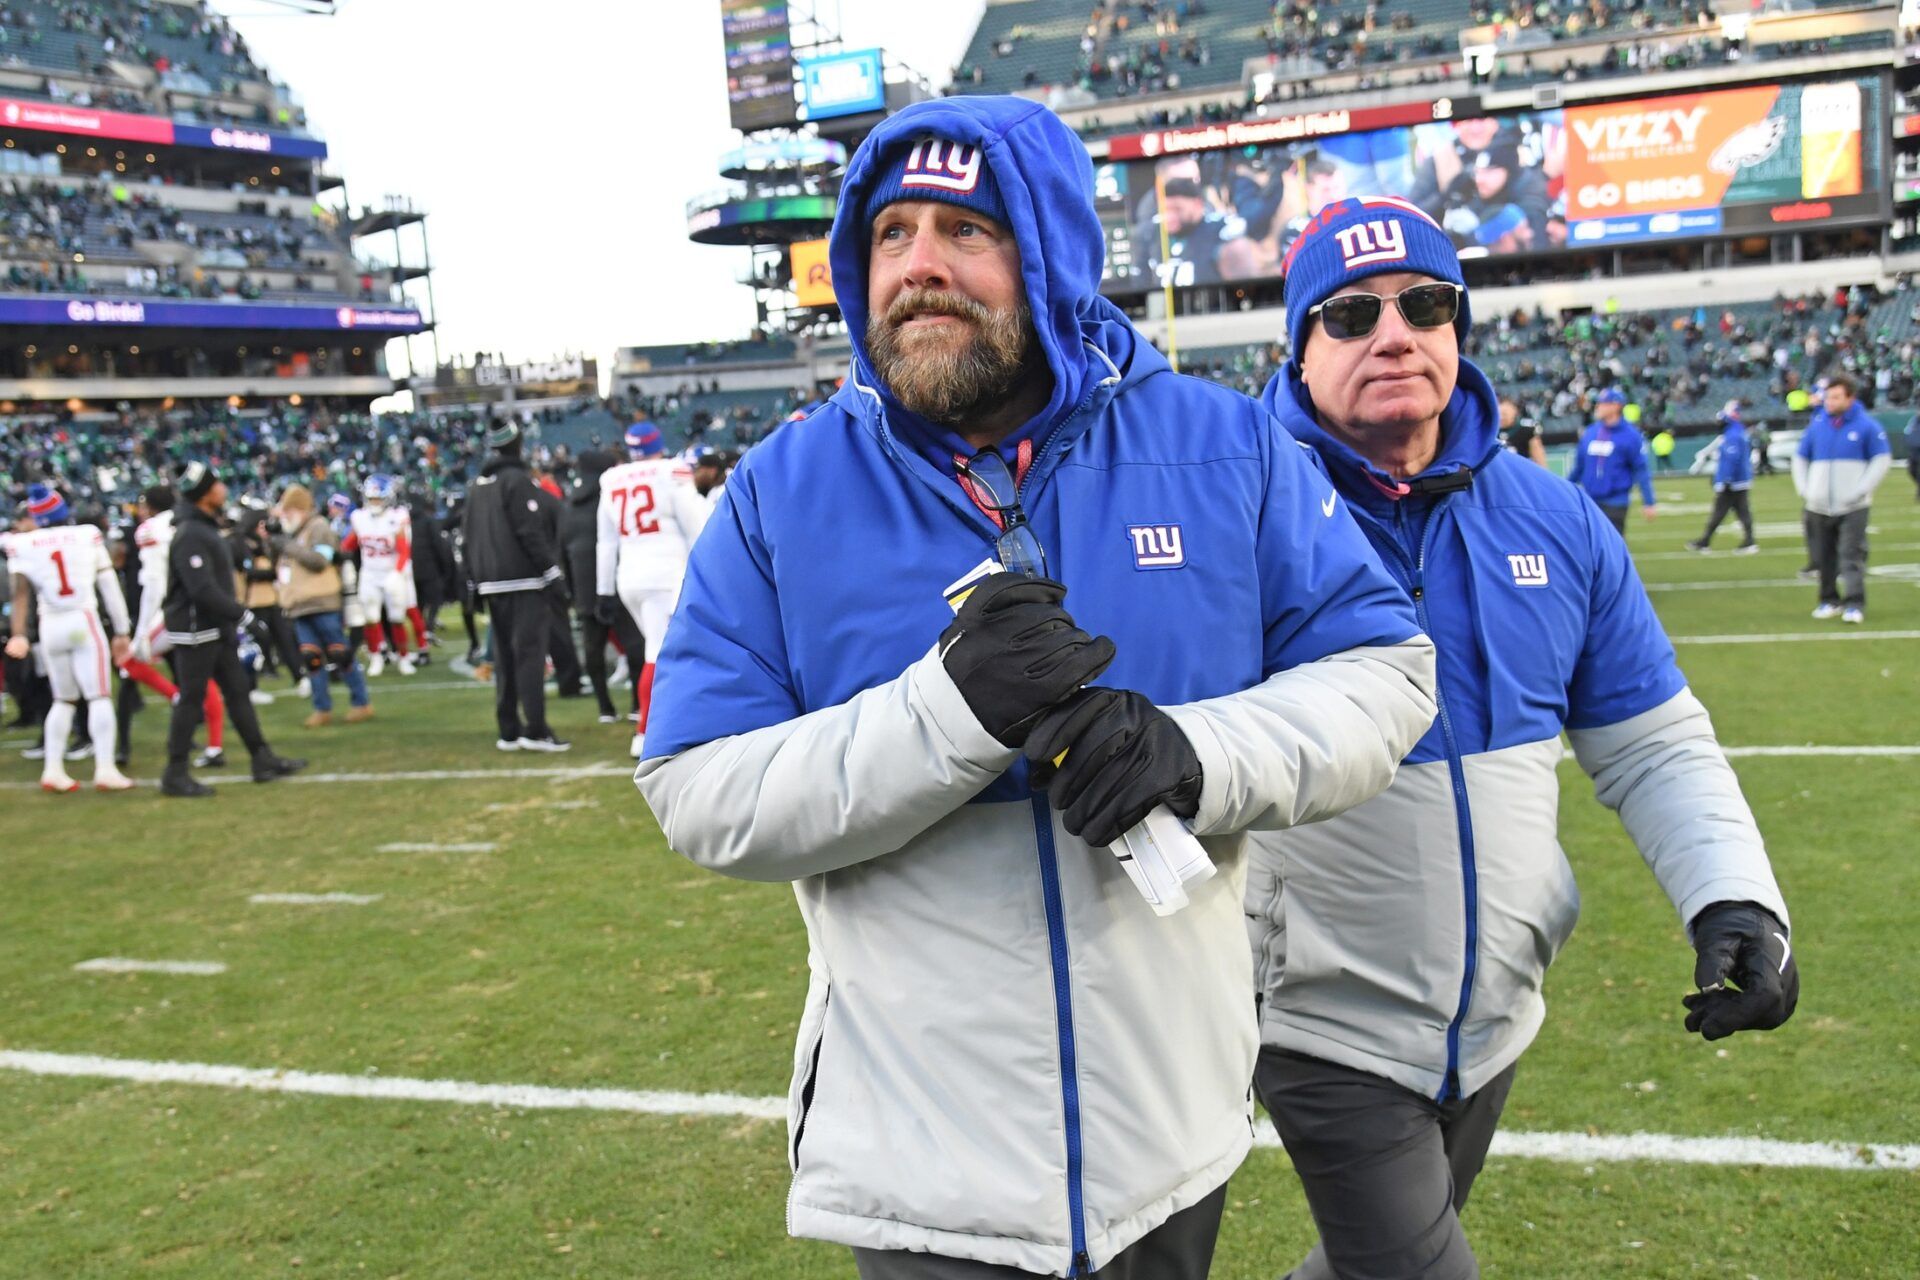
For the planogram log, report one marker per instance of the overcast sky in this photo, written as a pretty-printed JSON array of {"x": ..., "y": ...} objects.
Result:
[{"x": 553, "y": 147}]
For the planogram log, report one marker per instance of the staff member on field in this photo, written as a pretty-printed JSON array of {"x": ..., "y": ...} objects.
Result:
[{"x": 1401, "y": 946}]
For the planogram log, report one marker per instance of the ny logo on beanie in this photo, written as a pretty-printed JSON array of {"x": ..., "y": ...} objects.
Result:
[
  {"x": 943, "y": 166},
  {"x": 1365, "y": 243}
]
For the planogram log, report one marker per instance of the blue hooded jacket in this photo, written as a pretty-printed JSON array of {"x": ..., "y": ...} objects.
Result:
[
  {"x": 1541, "y": 625},
  {"x": 1609, "y": 461},
  {"x": 1733, "y": 469},
  {"x": 780, "y": 614},
  {"x": 1094, "y": 1056}
]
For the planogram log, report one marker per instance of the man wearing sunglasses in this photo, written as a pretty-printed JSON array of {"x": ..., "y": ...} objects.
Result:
[
  {"x": 1401, "y": 946},
  {"x": 1008, "y": 1064}
]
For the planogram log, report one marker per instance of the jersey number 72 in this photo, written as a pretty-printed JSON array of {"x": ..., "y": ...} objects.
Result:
[{"x": 635, "y": 503}]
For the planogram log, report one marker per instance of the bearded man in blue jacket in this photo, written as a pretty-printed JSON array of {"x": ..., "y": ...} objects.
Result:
[
  {"x": 1008, "y": 1065},
  {"x": 1401, "y": 946}
]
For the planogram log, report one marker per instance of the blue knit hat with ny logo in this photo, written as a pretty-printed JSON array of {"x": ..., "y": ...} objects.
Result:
[
  {"x": 1358, "y": 237},
  {"x": 937, "y": 169}
]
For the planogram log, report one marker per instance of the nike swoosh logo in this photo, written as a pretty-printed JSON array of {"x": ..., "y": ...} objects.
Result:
[
  {"x": 1326, "y": 508},
  {"x": 1788, "y": 951}
]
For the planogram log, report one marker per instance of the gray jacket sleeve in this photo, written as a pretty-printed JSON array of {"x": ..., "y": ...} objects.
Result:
[
  {"x": 830, "y": 788},
  {"x": 1664, "y": 773},
  {"x": 1311, "y": 741}
]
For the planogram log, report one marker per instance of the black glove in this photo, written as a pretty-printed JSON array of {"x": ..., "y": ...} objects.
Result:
[
  {"x": 603, "y": 607},
  {"x": 558, "y": 593},
  {"x": 1013, "y": 652},
  {"x": 1744, "y": 943},
  {"x": 1123, "y": 756}
]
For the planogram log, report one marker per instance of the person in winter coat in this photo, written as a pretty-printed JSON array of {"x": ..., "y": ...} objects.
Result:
[
  {"x": 514, "y": 567},
  {"x": 1610, "y": 459},
  {"x": 1732, "y": 478},
  {"x": 1008, "y": 1063},
  {"x": 1401, "y": 946},
  {"x": 1842, "y": 457},
  {"x": 435, "y": 576},
  {"x": 579, "y": 541}
]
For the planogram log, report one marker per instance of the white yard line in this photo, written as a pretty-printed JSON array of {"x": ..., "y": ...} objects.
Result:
[
  {"x": 600, "y": 770},
  {"x": 409, "y": 846},
  {"x": 120, "y": 964},
  {"x": 1576, "y": 1148},
  {"x": 514, "y": 807},
  {"x": 1731, "y": 584},
  {"x": 312, "y": 899},
  {"x": 1840, "y": 632}
]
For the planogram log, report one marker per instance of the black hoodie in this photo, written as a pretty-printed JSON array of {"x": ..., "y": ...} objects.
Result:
[
  {"x": 508, "y": 546},
  {"x": 580, "y": 528}
]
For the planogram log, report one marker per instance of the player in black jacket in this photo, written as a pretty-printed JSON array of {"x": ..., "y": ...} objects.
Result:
[
  {"x": 203, "y": 617},
  {"x": 514, "y": 566}
]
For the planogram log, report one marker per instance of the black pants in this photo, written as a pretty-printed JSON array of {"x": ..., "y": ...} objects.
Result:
[
  {"x": 32, "y": 693},
  {"x": 1838, "y": 548},
  {"x": 1181, "y": 1248},
  {"x": 1617, "y": 516},
  {"x": 521, "y": 620},
  {"x": 566, "y": 658},
  {"x": 593, "y": 641},
  {"x": 1734, "y": 500},
  {"x": 273, "y": 632},
  {"x": 1386, "y": 1170},
  {"x": 193, "y": 666}
]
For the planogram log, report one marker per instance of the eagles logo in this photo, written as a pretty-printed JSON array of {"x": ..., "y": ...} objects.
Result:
[{"x": 1749, "y": 145}]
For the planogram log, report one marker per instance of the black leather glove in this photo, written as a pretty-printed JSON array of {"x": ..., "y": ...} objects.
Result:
[
  {"x": 1013, "y": 652},
  {"x": 1123, "y": 756},
  {"x": 603, "y": 607},
  {"x": 1743, "y": 944}
]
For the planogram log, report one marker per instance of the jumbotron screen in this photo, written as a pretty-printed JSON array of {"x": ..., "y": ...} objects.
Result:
[{"x": 1746, "y": 160}]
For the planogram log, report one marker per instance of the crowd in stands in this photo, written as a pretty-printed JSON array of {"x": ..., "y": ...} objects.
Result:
[{"x": 165, "y": 38}]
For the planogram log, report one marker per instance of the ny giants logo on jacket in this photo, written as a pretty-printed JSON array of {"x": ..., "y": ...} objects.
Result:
[
  {"x": 1157, "y": 546},
  {"x": 946, "y": 166},
  {"x": 1528, "y": 570}
]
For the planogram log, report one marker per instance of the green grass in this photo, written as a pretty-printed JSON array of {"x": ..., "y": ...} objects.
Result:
[{"x": 582, "y": 952}]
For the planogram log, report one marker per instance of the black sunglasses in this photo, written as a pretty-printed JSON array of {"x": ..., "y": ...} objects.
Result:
[
  {"x": 1017, "y": 547},
  {"x": 1354, "y": 315}
]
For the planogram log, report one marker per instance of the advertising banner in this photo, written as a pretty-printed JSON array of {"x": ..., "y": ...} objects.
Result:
[
  {"x": 1227, "y": 203},
  {"x": 116, "y": 313},
  {"x": 118, "y": 126},
  {"x": 812, "y": 279}
]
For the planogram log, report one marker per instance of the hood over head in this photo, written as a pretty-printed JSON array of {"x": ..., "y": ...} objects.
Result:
[{"x": 1037, "y": 169}]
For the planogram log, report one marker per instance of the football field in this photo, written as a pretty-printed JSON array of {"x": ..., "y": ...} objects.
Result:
[{"x": 431, "y": 1010}]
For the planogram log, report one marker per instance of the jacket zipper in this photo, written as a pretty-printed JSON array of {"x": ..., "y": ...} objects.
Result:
[
  {"x": 1463, "y": 817},
  {"x": 1063, "y": 1017}
]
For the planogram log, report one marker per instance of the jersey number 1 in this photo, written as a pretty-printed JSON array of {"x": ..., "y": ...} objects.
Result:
[
  {"x": 641, "y": 498},
  {"x": 60, "y": 566}
]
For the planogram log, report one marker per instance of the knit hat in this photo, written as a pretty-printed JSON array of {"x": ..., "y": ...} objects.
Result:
[
  {"x": 505, "y": 433},
  {"x": 1363, "y": 236},
  {"x": 936, "y": 169},
  {"x": 196, "y": 481},
  {"x": 45, "y": 505},
  {"x": 296, "y": 497},
  {"x": 1612, "y": 395},
  {"x": 644, "y": 439}
]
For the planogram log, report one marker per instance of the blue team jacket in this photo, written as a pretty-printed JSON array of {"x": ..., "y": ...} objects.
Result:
[
  {"x": 1734, "y": 467},
  {"x": 1609, "y": 461}
]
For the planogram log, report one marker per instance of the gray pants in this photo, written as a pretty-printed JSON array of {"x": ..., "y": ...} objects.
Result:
[
  {"x": 1386, "y": 1170},
  {"x": 1734, "y": 501},
  {"x": 1839, "y": 551},
  {"x": 1181, "y": 1248}
]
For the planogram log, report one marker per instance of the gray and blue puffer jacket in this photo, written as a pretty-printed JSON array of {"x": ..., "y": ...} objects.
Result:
[
  {"x": 1410, "y": 935},
  {"x": 1005, "y": 1056}
]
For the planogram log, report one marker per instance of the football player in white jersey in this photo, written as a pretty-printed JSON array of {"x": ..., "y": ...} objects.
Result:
[
  {"x": 381, "y": 531},
  {"x": 68, "y": 570},
  {"x": 650, "y": 515},
  {"x": 151, "y": 538}
]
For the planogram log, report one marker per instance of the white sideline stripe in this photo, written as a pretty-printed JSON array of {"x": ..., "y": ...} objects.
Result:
[
  {"x": 1799, "y": 637},
  {"x": 505, "y": 807},
  {"x": 602, "y": 770},
  {"x": 1727, "y": 585},
  {"x": 1809, "y": 750},
  {"x": 120, "y": 964},
  {"x": 530, "y": 1097},
  {"x": 1577, "y": 1148},
  {"x": 311, "y": 899},
  {"x": 409, "y": 846},
  {"x": 1789, "y": 544}
]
